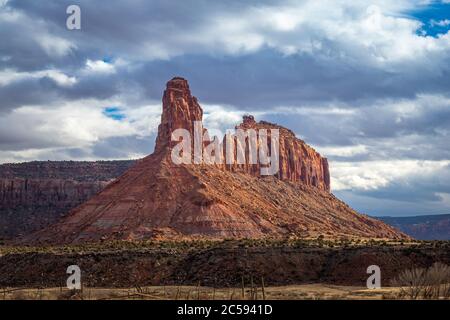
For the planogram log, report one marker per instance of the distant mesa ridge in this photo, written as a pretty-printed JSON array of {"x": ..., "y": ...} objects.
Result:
[
  {"x": 426, "y": 227},
  {"x": 156, "y": 199},
  {"x": 36, "y": 194}
]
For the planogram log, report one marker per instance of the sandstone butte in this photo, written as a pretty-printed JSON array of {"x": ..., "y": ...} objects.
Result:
[{"x": 156, "y": 199}]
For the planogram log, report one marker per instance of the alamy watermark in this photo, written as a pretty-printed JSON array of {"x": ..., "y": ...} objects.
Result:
[
  {"x": 245, "y": 146},
  {"x": 73, "y": 21},
  {"x": 74, "y": 280},
  {"x": 374, "y": 281}
]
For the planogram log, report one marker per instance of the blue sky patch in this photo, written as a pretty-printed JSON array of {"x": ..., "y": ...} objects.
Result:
[
  {"x": 435, "y": 19},
  {"x": 107, "y": 59},
  {"x": 114, "y": 113}
]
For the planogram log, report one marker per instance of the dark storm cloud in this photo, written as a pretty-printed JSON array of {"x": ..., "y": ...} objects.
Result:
[
  {"x": 268, "y": 78},
  {"x": 253, "y": 80},
  {"x": 423, "y": 134},
  {"x": 41, "y": 91},
  {"x": 117, "y": 28},
  {"x": 30, "y": 91},
  {"x": 386, "y": 207}
]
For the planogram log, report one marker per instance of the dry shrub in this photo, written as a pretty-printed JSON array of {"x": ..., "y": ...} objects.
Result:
[
  {"x": 70, "y": 295},
  {"x": 431, "y": 283},
  {"x": 20, "y": 295}
]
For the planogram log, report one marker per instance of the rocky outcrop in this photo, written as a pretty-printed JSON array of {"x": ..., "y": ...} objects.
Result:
[
  {"x": 158, "y": 199},
  {"x": 180, "y": 110},
  {"x": 298, "y": 162},
  {"x": 36, "y": 194}
]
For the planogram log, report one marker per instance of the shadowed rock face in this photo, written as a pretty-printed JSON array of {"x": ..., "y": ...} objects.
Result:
[
  {"x": 160, "y": 200},
  {"x": 29, "y": 205},
  {"x": 81, "y": 171},
  {"x": 36, "y": 194}
]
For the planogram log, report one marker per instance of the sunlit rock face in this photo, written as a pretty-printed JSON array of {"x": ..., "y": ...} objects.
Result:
[{"x": 298, "y": 162}]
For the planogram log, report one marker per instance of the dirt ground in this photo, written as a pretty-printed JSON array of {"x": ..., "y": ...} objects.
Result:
[{"x": 294, "y": 292}]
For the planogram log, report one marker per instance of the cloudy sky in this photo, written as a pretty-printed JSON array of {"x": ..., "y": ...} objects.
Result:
[{"x": 367, "y": 83}]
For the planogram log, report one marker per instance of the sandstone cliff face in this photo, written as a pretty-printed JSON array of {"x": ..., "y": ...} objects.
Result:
[
  {"x": 158, "y": 199},
  {"x": 298, "y": 162},
  {"x": 36, "y": 194}
]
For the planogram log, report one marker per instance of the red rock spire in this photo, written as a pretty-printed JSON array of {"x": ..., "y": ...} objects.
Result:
[{"x": 180, "y": 109}]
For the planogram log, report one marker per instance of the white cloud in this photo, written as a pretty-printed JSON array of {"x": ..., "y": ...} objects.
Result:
[
  {"x": 144, "y": 119},
  {"x": 373, "y": 175},
  {"x": 218, "y": 119},
  {"x": 374, "y": 32},
  {"x": 9, "y": 76},
  {"x": 49, "y": 132},
  {"x": 322, "y": 109},
  {"x": 445, "y": 198},
  {"x": 440, "y": 23},
  {"x": 54, "y": 45},
  {"x": 359, "y": 32},
  {"x": 75, "y": 124},
  {"x": 59, "y": 77},
  {"x": 346, "y": 151},
  {"x": 99, "y": 66},
  {"x": 26, "y": 26}
]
